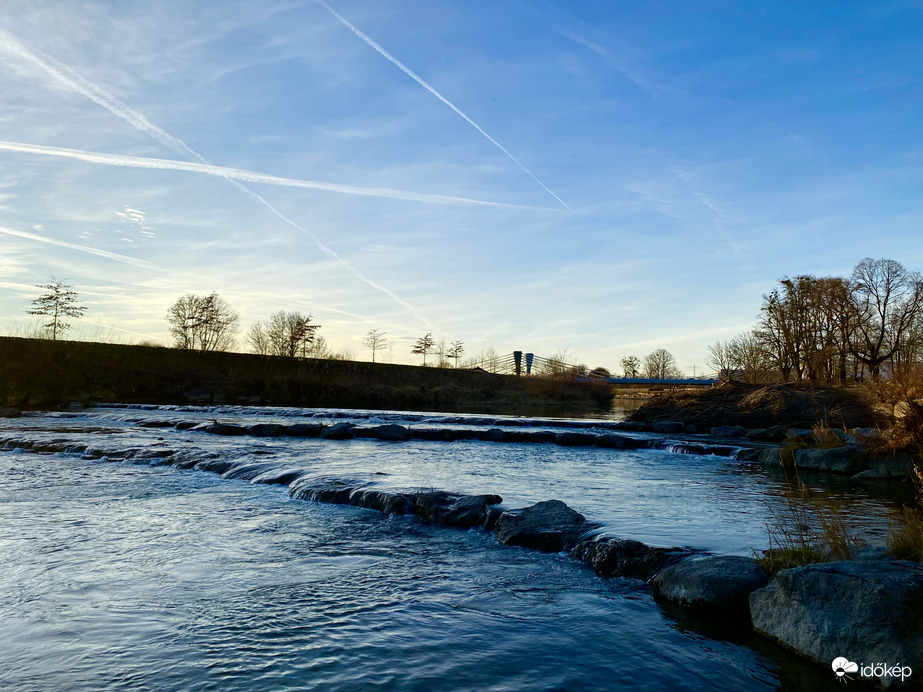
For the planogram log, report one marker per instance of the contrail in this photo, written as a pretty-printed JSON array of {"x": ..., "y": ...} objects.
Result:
[
  {"x": 83, "y": 248},
  {"x": 419, "y": 80},
  {"x": 67, "y": 77},
  {"x": 241, "y": 174}
]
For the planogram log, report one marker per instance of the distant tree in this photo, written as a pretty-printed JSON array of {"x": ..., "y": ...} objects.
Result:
[
  {"x": 456, "y": 348},
  {"x": 600, "y": 372},
  {"x": 289, "y": 334},
  {"x": 441, "y": 348},
  {"x": 202, "y": 323},
  {"x": 723, "y": 358},
  {"x": 423, "y": 345},
  {"x": 58, "y": 302},
  {"x": 660, "y": 365},
  {"x": 375, "y": 340},
  {"x": 631, "y": 366}
]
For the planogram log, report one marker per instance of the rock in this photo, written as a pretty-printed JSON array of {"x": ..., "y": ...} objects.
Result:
[
  {"x": 10, "y": 412},
  {"x": 248, "y": 471},
  {"x": 632, "y": 426},
  {"x": 668, "y": 426},
  {"x": 614, "y": 557},
  {"x": 303, "y": 430},
  {"x": 532, "y": 436},
  {"x": 267, "y": 430},
  {"x": 866, "y": 610},
  {"x": 616, "y": 441},
  {"x": 390, "y": 432},
  {"x": 330, "y": 490},
  {"x": 574, "y": 439},
  {"x": 185, "y": 424},
  {"x": 771, "y": 434},
  {"x": 719, "y": 584},
  {"x": 895, "y": 465},
  {"x": 492, "y": 435},
  {"x": 338, "y": 431},
  {"x": 846, "y": 459},
  {"x": 383, "y": 500},
  {"x": 747, "y": 454},
  {"x": 152, "y": 423},
  {"x": 224, "y": 429},
  {"x": 770, "y": 456},
  {"x": 800, "y": 435},
  {"x": 550, "y": 526},
  {"x": 435, "y": 434},
  {"x": 449, "y": 509},
  {"x": 729, "y": 431},
  {"x": 214, "y": 465},
  {"x": 282, "y": 476}
]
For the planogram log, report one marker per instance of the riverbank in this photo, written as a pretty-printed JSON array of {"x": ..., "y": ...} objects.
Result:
[{"x": 37, "y": 373}]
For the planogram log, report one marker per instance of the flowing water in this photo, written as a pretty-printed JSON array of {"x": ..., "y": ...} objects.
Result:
[{"x": 118, "y": 572}]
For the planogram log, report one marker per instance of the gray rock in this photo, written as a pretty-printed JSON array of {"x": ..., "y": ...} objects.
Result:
[
  {"x": 865, "y": 610},
  {"x": 729, "y": 431},
  {"x": 801, "y": 435},
  {"x": 435, "y": 434},
  {"x": 770, "y": 456},
  {"x": 531, "y": 436},
  {"x": 492, "y": 435},
  {"x": 668, "y": 426},
  {"x": 390, "y": 432},
  {"x": 449, "y": 509},
  {"x": 615, "y": 557},
  {"x": 330, "y": 490},
  {"x": 632, "y": 426},
  {"x": 338, "y": 431},
  {"x": 846, "y": 459},
  {"x": 281, "y": 476},
  {"x": 774, "y": 433},
  {"x": 149, "y": 423},
  {"x": 718, "y": 584},
  {"x": 185, "y": 424},
  {"x": 386, "y": 501},
  {"x": 616, "y": 441},
  {"x": 267, "y": 429},
  {"x": 304, "y": 430},
  {"x": 224, "y": 429},
  {"x": 550, "y": 526},
  {"x": 574, "y": 439},
  {"x": 248, "y": 471},
  {"x": 895, "y": 465}
]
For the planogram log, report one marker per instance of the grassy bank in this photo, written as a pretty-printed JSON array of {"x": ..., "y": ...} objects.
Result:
[{"x": 37, "y": 373}]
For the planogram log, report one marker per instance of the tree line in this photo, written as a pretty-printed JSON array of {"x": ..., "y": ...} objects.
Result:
[{"x": 831, "y": 330}]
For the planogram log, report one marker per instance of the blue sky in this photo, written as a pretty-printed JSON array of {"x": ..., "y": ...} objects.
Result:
[{"x": 605, "y": 177}]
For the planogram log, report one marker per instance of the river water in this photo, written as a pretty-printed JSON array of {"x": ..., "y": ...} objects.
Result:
[{"x": 119, "y": 574}]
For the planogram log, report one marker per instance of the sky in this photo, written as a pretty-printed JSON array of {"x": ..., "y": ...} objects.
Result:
[{"x": 596, "y": 178}]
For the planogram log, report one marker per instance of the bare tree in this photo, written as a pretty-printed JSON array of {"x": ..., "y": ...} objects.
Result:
[
  {"x": 660, "y": 365},
  {"x": 631, "y": 366},
  {"x": 722, "y": 357},
  {"x": 284, "y": 333},
  {"x": 58, "y": 302},
  {"x": 203, "y": 323},
  {"x": 375, "y": 340},
  {"x": 456, "y": 348},
  {"x": 423, "y": 345}
]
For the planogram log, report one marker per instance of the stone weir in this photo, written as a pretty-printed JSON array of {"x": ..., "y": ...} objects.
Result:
[{"x": 867, "y": 607}]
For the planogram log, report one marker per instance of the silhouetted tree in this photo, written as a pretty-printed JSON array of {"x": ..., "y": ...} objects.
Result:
[
  {"x": 284, "y": 333},
  {"x": 660, "y": 365},
  {"x": 374, "y": 340},
  {"x": 423, "y": 345},
  {"x": 631, "y": 366},
  {"x": 456, "y": 348},
  {"x": 202, "y": 323},
  {"x": 57, "y": 303}
]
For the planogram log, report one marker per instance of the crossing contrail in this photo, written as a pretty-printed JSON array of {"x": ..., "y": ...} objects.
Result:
[
  {"x": 419, "y": 80},
  {"x": 83, "y": 248},
  {"x": 65, "y": 76},
  {"x": 235, "y": 174}
]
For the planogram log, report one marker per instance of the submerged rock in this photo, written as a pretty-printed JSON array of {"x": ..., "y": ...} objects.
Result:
[
  {"x": 550, "y": 526},
  {"x": 529, "y": 436},
  {"x": 303, "y": 430},
  {"x": 720, "y": 584},
  {"x": 615, "y": 557},
  {"x": 449, "y": 509},
  {"x": 330, "y": 490},
  {"x": 492, "y": 435},
  {"x": 575, "y": 439},
  {"x": 390, "y": 432},
  {"x": 386, "y": 501},
  {"x": 224, "y": 429},
  {"x": 615, "y": 441},
  {"x": 266, "y": 429},
  {"x": 247, "y": 471},
  {"x": 280, "y": 476},
  {"x": 867, "y": 610}
]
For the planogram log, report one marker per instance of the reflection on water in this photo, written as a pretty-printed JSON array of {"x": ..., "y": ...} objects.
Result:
[{"x": 130, "y": 576}]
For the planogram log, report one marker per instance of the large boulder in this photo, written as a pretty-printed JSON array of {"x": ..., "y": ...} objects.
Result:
[
  {"x": 388, "y": 501},
  {"x": 449, "y": 509},
  {"x": 616, "y": 441},
  {"x": 390, "y": 432},
  {"x": 304, "y": 430},
  {"x": 551, "y": 526},
  {"x": 225, "y": 429},
  {"x": 718, "y": 584},
  {"x": 865, "y": 610},
  {"x": 267, "y": 429},
  {"x": 338, "y": 431},
  {"x": 615, "y": 557},
  {"x": 845, "y": 459},
  {"x": 331, "y": 490}
]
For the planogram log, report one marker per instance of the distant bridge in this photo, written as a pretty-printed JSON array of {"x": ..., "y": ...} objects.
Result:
[{"x": 520, "y": 363}]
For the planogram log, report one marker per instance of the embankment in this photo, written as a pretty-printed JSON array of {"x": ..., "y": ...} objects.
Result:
[{"x": 38, "y": 373}]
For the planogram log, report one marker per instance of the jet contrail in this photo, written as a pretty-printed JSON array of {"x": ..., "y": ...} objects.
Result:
[
  {"x": 67, "y": 77},
  {"x": 83, "y": 248},
  {"x": 240, "y": 174},
  {"x": 419, "y": 80}
]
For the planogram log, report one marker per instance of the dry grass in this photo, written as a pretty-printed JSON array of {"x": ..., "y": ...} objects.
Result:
[
  {"x": 907, "y": 543},
  {"x": 806, "y": 529}
]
